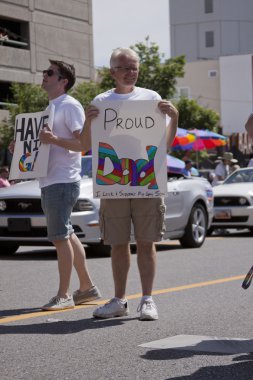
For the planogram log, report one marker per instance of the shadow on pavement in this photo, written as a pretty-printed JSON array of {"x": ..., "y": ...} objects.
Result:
[
  {"x": 242, "y": 370},
  {"x": 54, "y": 326}
]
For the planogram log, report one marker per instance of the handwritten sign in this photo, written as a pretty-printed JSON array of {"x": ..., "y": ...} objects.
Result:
[
  {"x": 129, "y": 150},
  {"x": 30, "y": 158}
]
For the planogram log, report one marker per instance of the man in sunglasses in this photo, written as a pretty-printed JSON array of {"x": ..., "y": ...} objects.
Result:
[
  {"x": 116, "y": 214},
  {"x": 60, "y": 188}
]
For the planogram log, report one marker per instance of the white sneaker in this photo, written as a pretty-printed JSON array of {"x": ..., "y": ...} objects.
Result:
[
  {"x": 147, "y": 310},
  {"x": 58, "y": 303},
  {"x": 113, "y": 308}
]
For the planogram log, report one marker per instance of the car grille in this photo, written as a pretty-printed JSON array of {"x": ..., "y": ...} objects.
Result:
[
  {"x": 229, "y": 201},
  {"x": 23, "y": 206},
  {"x": 34, "y": 232},
  {"x": 234, "y": 219}
]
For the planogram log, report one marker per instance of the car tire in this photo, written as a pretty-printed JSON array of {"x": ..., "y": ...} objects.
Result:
[
  {"x": 8, "y": 248},
  {"x": 195, "y": 231}
]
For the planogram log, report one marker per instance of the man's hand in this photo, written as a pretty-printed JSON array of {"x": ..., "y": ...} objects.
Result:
[
  {"x": 166, "y": 107},
  {"x": 11, "y": 146},
  {"x": 91, "y": 112},
  {"x": 169, "y": 109},
  {"x": 46, "y": 135}
]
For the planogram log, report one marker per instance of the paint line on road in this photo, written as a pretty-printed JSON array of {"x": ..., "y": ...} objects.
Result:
[{"x": 36, "y": 314}]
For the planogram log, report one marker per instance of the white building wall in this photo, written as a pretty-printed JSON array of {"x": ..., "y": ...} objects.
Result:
[
  {"x": 231, "y": 22},
  {"x": 235, "y": 92},
  {"x": 202, "y": 78}
]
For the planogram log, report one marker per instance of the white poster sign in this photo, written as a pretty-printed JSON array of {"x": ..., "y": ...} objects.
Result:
[
  {"x": 30, "y": 158},
  {"x": 129, "y": 150}
]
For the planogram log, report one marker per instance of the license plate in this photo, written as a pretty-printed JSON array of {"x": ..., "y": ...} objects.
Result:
[
  {"x": 19, "y": 225},
  {"x": 224, "y": 214}
]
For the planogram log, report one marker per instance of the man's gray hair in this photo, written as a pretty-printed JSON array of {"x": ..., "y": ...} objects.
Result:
[{"x": 127, "y": 52}]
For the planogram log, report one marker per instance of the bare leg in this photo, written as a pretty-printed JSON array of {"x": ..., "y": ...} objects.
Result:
[
  {"x": 80, "y": 263},
  {"x": 121, "y": 257},
  {"x": 65, "y": 257},
  {"x": 146, "y": 259}
]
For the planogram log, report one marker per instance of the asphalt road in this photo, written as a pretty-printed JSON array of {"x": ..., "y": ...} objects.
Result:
[{"x": 204, "y": 329}]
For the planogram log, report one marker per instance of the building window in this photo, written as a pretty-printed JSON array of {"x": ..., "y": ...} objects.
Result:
[
  {"x": 6, "y": 96},
  {"x": 209, "y": 39},
  {"x": 183, "y": 92},
  {"x": 14, "y": 33},
  {"x": 208, "y": 6},
  {"x": 212, "y": 73}
]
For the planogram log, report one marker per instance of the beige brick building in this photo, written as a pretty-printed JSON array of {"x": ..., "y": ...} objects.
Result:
[{"x": 38, "y": 30}]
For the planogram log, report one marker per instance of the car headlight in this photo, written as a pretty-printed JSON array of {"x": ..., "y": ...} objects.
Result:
[
  {"x": 83, "y": 205},
  {"x": 242, "y": 201},
  {"x": 3, "y": 205}
]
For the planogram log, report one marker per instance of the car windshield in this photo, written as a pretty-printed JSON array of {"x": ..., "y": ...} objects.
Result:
[
  {"x": 86, "y": 170},
  {"x": 240, "y": 176}
]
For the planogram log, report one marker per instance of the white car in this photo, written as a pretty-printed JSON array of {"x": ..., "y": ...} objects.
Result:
[
  {"x": 233, "y": 201},
  {"x": 189, "y": 211}
]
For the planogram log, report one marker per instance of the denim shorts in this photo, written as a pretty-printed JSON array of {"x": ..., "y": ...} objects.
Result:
[
  {"x": 57, "y": 203},
  {"x": 146, "y": 214}
]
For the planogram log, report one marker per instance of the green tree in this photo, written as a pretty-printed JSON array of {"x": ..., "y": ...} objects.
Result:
[
  {"x": 192, "y": 115},
  {"x": 85, "y": 92},
  {"x": 26, "y": 98}
]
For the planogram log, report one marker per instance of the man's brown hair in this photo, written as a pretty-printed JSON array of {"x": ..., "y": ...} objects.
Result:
[{"x": 66, "y": 71}]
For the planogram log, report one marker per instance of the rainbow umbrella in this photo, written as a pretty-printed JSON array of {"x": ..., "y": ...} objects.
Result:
[
  {"x": 183, "y": 139},
  {"x": 207, "y": 139}
]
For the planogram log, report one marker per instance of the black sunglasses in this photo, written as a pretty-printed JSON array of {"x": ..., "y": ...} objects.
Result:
[{"x": 50, "y": 73}]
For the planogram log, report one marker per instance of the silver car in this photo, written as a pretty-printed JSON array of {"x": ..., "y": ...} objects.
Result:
[
  {"x": 189, "y": 211},
  {"x": 233, "y": 201}
]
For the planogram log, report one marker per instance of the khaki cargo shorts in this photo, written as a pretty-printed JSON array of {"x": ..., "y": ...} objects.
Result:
[{"x": 147, "y": 216}]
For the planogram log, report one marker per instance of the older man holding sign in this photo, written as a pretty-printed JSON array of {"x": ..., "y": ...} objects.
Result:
[
  {"x": 129, "y": 155},
  {"x": 129, "y": 139}
]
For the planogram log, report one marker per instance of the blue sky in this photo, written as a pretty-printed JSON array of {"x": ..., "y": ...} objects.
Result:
[{"x": 125, "y": 22}]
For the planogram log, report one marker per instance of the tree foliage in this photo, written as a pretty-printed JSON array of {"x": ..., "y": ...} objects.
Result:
[
  {"x": 192, "y": 115},
  {"x": 85, "y": 92},
  {"x": 26, "y": 98}
]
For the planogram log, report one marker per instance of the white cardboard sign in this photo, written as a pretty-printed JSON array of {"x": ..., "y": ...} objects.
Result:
[
  {"x": 129, "y": 150},
  {"x": 30, "y": 158}
]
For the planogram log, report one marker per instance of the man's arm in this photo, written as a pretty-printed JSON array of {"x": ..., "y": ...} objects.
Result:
[
  {"x": 169, "y": 109},
  {"x": 249, "y": 125},
  {"x": 81, "y": 142}
]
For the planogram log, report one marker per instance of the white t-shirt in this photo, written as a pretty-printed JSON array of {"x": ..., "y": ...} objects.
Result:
[
  {"x": 64, "y": 165},
  {"x": 138, "y": 93}
]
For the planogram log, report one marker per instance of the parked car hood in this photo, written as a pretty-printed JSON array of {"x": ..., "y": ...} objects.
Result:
[
  {"x": 31, "y": 189},
  {"x": 26, "y": 189},
  {"x": 233, "y": 189}
]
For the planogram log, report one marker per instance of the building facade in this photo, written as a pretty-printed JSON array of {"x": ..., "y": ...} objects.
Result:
[
  {"x": 34, "y": 31},
  {"x": 216, "y": 38},
  {"x": 209, "y": 29}
]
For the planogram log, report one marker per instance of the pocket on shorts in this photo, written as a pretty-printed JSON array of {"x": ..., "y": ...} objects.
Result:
[
  {"x": 102, "y": 223},
  {"x": 161, "y": 228}
]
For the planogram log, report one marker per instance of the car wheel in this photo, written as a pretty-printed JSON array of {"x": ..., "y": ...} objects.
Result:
[
  {"x": 195, "y": 231},
  {"x": 8, "y": 248}
]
